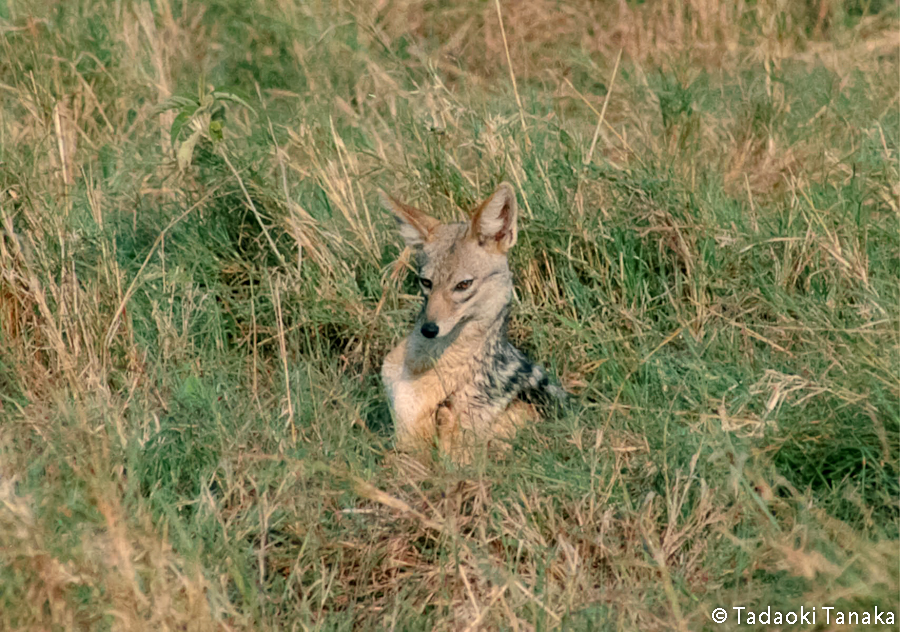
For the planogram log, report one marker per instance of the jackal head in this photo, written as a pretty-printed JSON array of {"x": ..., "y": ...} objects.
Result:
[{"x": 462, "y": 267}]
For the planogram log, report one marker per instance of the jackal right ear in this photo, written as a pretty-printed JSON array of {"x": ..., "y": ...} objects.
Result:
[
  {"x": 416, "y": 227},
  {"x": 493, "y": 224}
]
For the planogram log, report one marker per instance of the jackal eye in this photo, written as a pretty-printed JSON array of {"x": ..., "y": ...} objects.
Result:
[
  {"x": 426, "y": 283},
  {"x": 463, "y": 285}
]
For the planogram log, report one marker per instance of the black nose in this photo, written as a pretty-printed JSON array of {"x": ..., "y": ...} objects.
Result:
[{"x": 430, "y": 330}]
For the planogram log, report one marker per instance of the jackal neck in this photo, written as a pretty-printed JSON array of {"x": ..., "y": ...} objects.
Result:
[{"x": 474, "y": 341}]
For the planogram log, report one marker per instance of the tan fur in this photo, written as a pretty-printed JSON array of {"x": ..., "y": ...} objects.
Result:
[
  {"x": 430, "y": 402},
  {"x": 436, "y": 380},
  {"x": 461, "y": 442}
]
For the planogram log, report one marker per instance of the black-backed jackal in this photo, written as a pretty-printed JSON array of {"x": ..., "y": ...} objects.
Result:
[{"x": 456, "y": 380}]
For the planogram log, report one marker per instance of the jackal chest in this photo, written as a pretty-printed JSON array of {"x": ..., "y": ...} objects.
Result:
[{"x": 415, "y": 395}]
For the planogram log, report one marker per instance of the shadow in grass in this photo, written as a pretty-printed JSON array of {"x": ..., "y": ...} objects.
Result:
[{"x": 377, "y": 416}]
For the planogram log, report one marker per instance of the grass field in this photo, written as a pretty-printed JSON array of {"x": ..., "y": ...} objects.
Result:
[{"x": 198, "y": 285}]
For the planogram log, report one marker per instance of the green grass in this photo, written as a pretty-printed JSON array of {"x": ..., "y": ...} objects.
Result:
[{"x": 198, "y": 286}]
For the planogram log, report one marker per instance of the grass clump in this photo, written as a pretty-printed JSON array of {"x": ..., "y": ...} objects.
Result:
[{"x": 197, "y": 288}]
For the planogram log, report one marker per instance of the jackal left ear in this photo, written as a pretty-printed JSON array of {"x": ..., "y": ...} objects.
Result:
[
  {"x": 416, "y": 227},
  {"x": 493, "y": 224}
]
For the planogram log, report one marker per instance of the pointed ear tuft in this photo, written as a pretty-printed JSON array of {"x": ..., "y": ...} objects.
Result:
[
  {"x": 416, "y": 227},
  {"x": 493, "y": 223}
]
